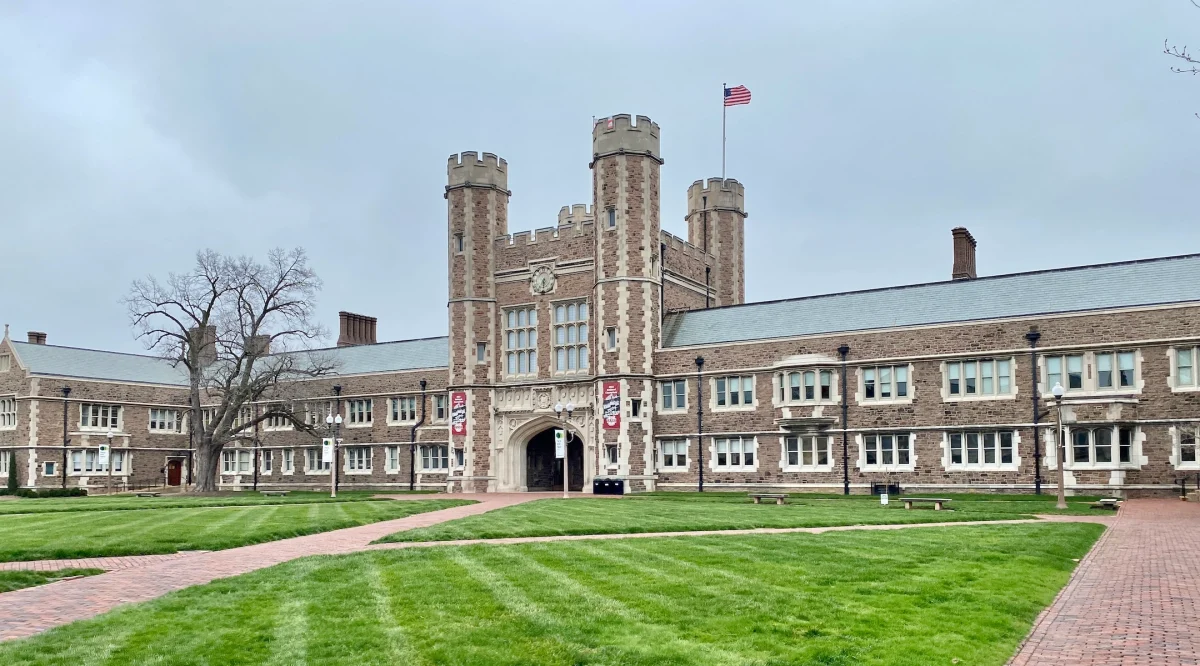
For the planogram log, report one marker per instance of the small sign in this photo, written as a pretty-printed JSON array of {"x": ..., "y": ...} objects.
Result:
[
  {"x": 458, "y": 413},
  {"x": 611, "y": 394},
  {"x": 560, "y": 443},
  {"x": 327, "y": 450},
  {"x": 883, "y": 499},
  {"x": 103, "y": 457}
]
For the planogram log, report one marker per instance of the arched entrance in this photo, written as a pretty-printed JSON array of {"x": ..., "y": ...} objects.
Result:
[{"x": 544, "y": 472}]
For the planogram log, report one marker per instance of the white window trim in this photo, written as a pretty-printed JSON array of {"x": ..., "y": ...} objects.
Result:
[
  {"x": 4, "y": 454},
  {"x": 309, "y": 471},
  {"x": 997, "y": 466},
  {"x": 571, "y": 346},
  {"x": 416, "y": 402},
  {"x": 387, "y": 450},
  {"x": 346, "y": 416},
  {"x": 432, "y": 470},
  {"x": 1172, "y": 378},
  {"x": 712, "y": 394},
  {"x": 90, "y": 428},
  {"x": 1091, "y": 380},
  {"x": 287, "y": 462},
  {"x": 861, "y": 463},
  {"x": 1014, "y": 390},
  {"x": 1176, "y": 447},
  {"x": 781, "y": 388},
  {"x": 55, "y": 463},
  {"x": 182, "y": 421},
  {"x": 276, "y": 428},
  {"x": 16, "y": 411},
  {"x": 434, "y": 409},
  {"x": 674, "y": 469},
  {"x": 262, "y": 460},
  {"x": 346, "y": 459},
  {"x": 783, "y": 459},
  {"x": 712, "y": 461},
  {"x": 860, "y": 394},
  {"x": 536, "y": 327},
  {"x": 1136, "y": 459},
  {"x": 237, "y": 461},
  {"x": 661, "y": 393},
  {"x": 126, "y": 454}
]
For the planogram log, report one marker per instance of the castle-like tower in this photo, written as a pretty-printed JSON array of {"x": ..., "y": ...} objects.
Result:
[{"x": 544, "y": 324}]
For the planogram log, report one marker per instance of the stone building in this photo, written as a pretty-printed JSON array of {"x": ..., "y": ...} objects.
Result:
[{"x": 639, "y": 345}]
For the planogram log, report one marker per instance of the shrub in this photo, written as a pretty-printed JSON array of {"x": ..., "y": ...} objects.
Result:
[
  {"x": 49, "y": 492},
  {"x": 12, "y": 471}
]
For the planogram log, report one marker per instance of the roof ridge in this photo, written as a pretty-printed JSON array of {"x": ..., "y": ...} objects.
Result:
[
  {"x": 98, "y": 351},
  {"x": 373, "y": 344}
]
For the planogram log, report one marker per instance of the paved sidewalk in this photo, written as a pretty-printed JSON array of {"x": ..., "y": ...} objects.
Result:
[
  {"x": 1135, "y": 598},
  {"x": 106, "y": 563}
]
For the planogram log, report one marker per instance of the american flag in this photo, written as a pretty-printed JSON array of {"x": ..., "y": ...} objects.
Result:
[{"x": 737, "y": 95}]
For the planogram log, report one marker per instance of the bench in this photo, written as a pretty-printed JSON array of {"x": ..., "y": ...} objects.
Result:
[
  {"x": 938, "y": 502},
  {"x": 148, "y": 493},
  {"x": 759, "y": 497},
  {"x": 273, "y": 493},
  {"x": 1107, "y": 503}
]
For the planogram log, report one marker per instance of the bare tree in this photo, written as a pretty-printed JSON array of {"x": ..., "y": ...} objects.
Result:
[
  {"x": 1191, "y": 62},
  {"x": 243, "y": 331}
]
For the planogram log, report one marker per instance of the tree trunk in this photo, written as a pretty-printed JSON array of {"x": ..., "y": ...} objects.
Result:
[{"x": 208, "y": 457}]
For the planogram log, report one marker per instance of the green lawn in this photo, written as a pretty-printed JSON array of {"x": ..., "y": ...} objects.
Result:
[
  {"x": 71, "y": 534},
  {"x": 15, "y": 580},
  {"x": 963, "y": 595},
  {"x": 126, "y": 502},
  {"x": 681, "y": 513}
]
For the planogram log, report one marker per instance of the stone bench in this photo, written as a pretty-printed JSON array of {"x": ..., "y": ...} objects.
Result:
[
  {"x": 937, "y": 502},
  {"x": 759, "y": 497},
  {"x": 1111, "y": 503},
  {"x": 273, "y": 493},
  {"x": 148, "y": 493}
]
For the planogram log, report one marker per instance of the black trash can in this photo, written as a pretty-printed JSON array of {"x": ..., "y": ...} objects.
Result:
[{"x": 604, "y": 486}]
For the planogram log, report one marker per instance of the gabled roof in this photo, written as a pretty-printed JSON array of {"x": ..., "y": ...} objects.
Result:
[
  {"x": 1103, "y": 286},
  {"x": 52, "y": 360}
]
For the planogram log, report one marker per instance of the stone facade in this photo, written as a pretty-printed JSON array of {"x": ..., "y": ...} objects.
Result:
[{"x": 543, "y": 324}]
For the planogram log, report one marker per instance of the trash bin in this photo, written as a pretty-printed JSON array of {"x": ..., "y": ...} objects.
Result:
[{"x": 606, "y": 486}]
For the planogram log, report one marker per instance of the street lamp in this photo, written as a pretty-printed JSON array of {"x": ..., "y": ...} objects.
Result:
[
  {"x": 1058, "y": 440},
  {"x": 335, "y": 424},
  {"x": 558, "y": 409},
  {"x": 109, "y": 435}
]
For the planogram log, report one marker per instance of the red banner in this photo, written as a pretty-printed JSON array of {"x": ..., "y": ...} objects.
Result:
[
  {"x": 458, "y": 413},
  {"x": 611, "y": 394}
]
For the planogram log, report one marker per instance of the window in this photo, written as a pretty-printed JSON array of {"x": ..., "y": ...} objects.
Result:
[
  {"x": 458, "y": 242},
  {"x": 610, "y": 338},
  {"x": 481, "y": 352},
  {"x": 1189, "y": 451},
  {"x": 434, "y": 457},
  {"x": 49, "y": 468},
  {"x": 99, "y": 417},
  {"x": 4, "y": 455},
  {"x": 807, "y": 386},
  {"x": 734, "y": 391},
  {"x": 1114, "y": 370},
  {"x": 1185, "y": 367},
  {"x": 207, "y": 414},
  {"x": 612, "y": 455},
  {"x": 570, "y": 337},
  {"x": 166, "y": 420},
  {"x": 885, "y": 382},
  {"x": 88, "y": 462},
  {"x": 981, "y": 449},
  {"x": 288, "y": 461},
  {"x": 235, "y": 461},
  {"x": 1074, "y": 372},
  {"x": 278, "y": 419},
  {"x": 887, "y": 451},
  {"x": 520, "y": 342},
  {"x": 674, "y": 394},
  {"x": 635, "y": 408},
  {"x": 674, "y": 454},
  {"x": 313, "y": 462},
  {"x": 8, "y": 412},
  {"x": 358, "y": 458},
  {"x": 808, "y": 451},
  {"x": 459, "y": 455},
  {"x": 391, "y": 459},
  {"x": 982, "y": 377},
  {"x": 439, "y": 407},
  {"x": 5, "y": 362},
  {"x": 360, "y": 411},
  {"x": 734, "y": 453},
  {"x": 244, "y": 416},
  {"x": 612, "y": 218},
  {"x": 404, "y": 409},
  {"x": 1101, "y": 446},
  {"x": 315, "y": 412},
  {"x": 266, "y": 461}
]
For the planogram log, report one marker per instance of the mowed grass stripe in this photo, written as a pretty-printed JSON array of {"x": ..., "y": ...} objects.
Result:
[{"x": 151, "y": 531}]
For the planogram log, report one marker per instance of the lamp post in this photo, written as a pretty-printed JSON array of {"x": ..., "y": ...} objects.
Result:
[
  {"x": 842, "y": 351},
  {"x": 335, "y": 424},
  {"x": 1033, "y": 336},
  {"x": 1058, "y": 443},
  {"x": 700, "y": 415},
  {"x": 66, "y": 391},
  {"x": 109, "y": 463},
  {"x": 412, "y": 444},
  {"x": 558, "y": 409}
]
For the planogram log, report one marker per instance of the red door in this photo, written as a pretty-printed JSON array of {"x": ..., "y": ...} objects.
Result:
[{"x": 174, "y": 472}]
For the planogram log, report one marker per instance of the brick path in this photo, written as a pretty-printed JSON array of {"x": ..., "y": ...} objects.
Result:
[
  {"x": 1135, "y": 598},
  {"x": 106, "y": 563}
]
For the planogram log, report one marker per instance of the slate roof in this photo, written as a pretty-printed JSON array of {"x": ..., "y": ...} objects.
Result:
[
  {"x": 115, "y": 366},
  {"x": 1125, "y": 284}
]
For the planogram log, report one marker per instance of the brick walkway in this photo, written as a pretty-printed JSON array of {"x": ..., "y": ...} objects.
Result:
[
  {"x": 1135, "y": 598},
  {"x": 106, "y": 563}
]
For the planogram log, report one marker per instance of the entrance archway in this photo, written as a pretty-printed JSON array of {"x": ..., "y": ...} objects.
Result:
[{"x": 544, "y": 472}]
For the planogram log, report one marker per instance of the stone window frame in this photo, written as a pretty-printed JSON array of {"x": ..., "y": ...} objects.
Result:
[
  {"x": 278, "y": 422},
  {"x": 612, "y": 340},
  {"x": 358, "y": 459},
  {"x": 440, "y": 452},
  {"x": 1173, "y": 363},
  {"x": 1137, "y": 459},
  {"x": 481, "y": 352},
  {"x": 287, "y": 462},
  {"x": 687, "y": 455},
  {"x": 714, "y": 450},
  {"x": 316, "y": 411},
  {"x": 949, "y": 465},
  {"x": 530, "y": 329},
  {"x": 237, "y": 462},
  {"x": 117, "y": 426},
  {"x": 1090, "y": 375},
  {"x": 581, "y": 326},
  {"x": 50, "y": 468},
  {"x": 80, "y": 456},
  {"x": 662, "y": 393},
  {"x": 1177, "y": 432},
  {"x": 266, "y": 462},
  {"x": 458, "y": 243},
  {"x": 910, "y": 388},
  {"x": 396, "y": 413},
  {"x": 783, "y": 380},
  {"x": 5, "y": 362},
  {"x": 362, "y": 409},
  {"x": 8, "y": 411},
  {"x": 861, "y": 464},
  {"x": 460, "y": 458},
  {"x": 180, "y": 422},
  {"x": 612, "y": 455},
  {"x": 441, "y": 407},
  {"x": 4, "y": 456},
  {"x": 741, "y": 406},
  {"x": 313, "y": 454},
  {"x": 996, "y": 394},
  {"x": 389, "y": 452},
  {"x": 785, "y": 463}
]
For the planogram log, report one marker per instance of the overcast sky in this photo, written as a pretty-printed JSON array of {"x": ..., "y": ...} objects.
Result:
[{"x": 134, "y": 133}]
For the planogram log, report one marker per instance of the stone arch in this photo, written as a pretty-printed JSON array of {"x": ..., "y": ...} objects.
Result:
[{"x": 513, "y": 467}]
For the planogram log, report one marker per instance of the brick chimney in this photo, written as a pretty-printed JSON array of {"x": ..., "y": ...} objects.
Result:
[
  {"x": 355, "y": 329},
  {"x": 964, "y": 254},
  {"x": 205, "y": 340},
  {"x": 37, "y": 338}
]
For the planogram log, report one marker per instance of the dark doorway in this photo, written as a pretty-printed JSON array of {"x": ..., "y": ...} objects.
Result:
[
  {"x": 543, "y": 471},
  {"x": 174, "y": 472}
]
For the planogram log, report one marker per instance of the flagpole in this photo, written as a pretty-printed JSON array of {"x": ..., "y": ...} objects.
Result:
[{"x": 723, "y": 109}]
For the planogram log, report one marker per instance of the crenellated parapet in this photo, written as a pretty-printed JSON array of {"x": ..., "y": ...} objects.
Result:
[
  {"x": 717, "y": 194},
  {"x": 619, "y": 134},
  {"x": 575, "y": 214},
  {"x": 469, "y": 170},
  {"x": 678, "y": 246}
]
